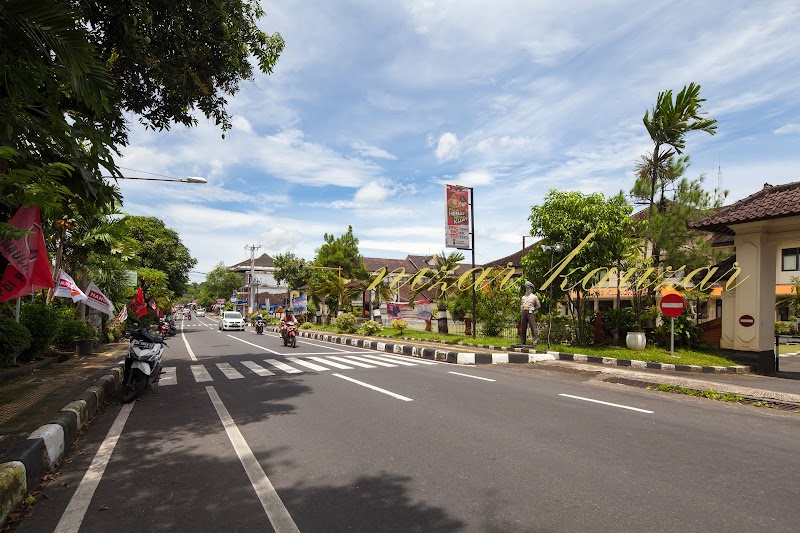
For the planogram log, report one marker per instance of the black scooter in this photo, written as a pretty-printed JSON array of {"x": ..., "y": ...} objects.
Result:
[{"x": 259, "y": 327}]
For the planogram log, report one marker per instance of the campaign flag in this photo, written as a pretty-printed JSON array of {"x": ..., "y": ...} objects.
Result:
[
  {"x": 28, "y": 267},
  {"x": 139, "y": 307},
  {"x": 67, "y": 288},
  {"x": 95, "y": 298},
  {"x": 152, "y": 303},
  {"x": 123, "y": 315}
]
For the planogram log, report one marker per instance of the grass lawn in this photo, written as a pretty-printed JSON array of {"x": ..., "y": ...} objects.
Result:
[{"x": 650, "y": 354}]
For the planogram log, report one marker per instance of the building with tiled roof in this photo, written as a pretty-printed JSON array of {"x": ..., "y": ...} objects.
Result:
[
  {"x": 266, "y": 289},
  {"x": 771, "y": 202}
]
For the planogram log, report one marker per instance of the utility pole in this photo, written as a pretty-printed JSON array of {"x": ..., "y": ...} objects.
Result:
[{"x": 252, "y": 249}]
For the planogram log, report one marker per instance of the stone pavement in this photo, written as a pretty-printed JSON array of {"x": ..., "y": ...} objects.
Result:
[{"x": 45, "y": 407}]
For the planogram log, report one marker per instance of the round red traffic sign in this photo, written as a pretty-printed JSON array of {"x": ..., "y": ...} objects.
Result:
[
  {"x": 672, "y": 305},
  {"x": 746, "y": 320}
]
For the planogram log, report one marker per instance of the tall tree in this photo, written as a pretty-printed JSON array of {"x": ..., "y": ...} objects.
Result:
[
  {"x": 569, "y": 217},
  {"x": 220, "y": 283},
  {"x": 160, "y": 248},
  {"x": 667, "y": 124},
  {"x": 290, "y": 268}
]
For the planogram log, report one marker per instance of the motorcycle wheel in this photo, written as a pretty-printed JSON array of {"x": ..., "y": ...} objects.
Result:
[
  {"x": 134, "y": 387},
  {"x": 294, "y": 341}
]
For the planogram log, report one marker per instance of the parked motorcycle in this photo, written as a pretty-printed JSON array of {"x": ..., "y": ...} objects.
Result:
[
  {"x": 143, "y": 363},
  {"x": 289, "y": 334}
]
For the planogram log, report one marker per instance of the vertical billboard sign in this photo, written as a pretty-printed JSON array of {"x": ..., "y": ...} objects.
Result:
[{"x": 457, "y": 208}]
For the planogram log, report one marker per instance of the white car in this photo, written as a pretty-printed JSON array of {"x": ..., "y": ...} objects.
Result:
[
  {"x": 231, "y": 320},
  {"x": 200, "y": 312}
]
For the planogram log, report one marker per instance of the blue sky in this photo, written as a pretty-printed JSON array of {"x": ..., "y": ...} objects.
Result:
[{"x": 374, "y": 106}]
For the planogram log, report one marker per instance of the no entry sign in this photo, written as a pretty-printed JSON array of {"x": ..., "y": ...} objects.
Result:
[
  {"x": 672, "y": 305},
  {"x": 746, "y": 320}
]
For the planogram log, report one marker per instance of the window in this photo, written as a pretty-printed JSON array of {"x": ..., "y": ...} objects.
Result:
[
  {"x": 789, "y": 259},
  {"x": 783, "y": 313}
]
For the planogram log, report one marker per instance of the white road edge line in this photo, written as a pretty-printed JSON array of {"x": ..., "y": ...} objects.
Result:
[
  {"x": 76, "y": 509},
  {"x": 277, "y": 513},
  {"x": 470, "y": 376},
  {"x": 373, "y": 387},
  {"x": 191, "y": 353},
  {"x": 608, "y": 403},
  {"x": 256, "y": 345}
]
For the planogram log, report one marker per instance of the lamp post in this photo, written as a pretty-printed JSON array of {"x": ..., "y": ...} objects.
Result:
[{"x": 557, "y": 247}]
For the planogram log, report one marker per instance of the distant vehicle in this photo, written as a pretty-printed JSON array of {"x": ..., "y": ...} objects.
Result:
[
  {"x": 231, "y": 320},
  {"x": 200, "y": 312}
]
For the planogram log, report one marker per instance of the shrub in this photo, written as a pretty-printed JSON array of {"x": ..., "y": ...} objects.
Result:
[
  {"x": 371, "y": 327},
  {"x": 346, "y": 323},
  {"x": 42, "y": 322},
  {"x": 14, "y": 339},
  {"x": 73, "y": 330},
  {"x": 399, "y": 324},
  {"x": 306, "y": 325},
  {"x": 785, "y": 328}
]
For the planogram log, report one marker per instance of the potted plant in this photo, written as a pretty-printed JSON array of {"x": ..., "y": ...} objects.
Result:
[{"x": 84, "y": 335}]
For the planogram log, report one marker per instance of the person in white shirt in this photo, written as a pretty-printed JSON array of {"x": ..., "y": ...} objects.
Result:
[{"x": 529, "y": 304}]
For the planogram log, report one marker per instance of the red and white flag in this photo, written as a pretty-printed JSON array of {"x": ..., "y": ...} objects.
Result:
[
  {"x": 95, "y": 298},
  {"x": 123, "y": 315},
  {"x": 28, "y": 267},
  {"x": 67, "y": 288},
  {"x": 139, "y": 307},
  {"x": 152, "y": 303}
]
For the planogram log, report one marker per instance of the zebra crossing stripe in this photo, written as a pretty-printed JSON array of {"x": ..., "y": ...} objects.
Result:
[
  {"x": 349, "y": 361},
  {"x": 382, "y": 358},
  {"x": 200, "y": 373},
  {"x": 258, "y": 369},
  {"x": 283, "y": 366},
  {"x": 169, "y": 377},
  {"x": 417, "y": 360},
  {"x": 307, "y": 364},
  {"x": 372, "y": 361},
  {"x": 330, "y": 363},
  {"x": 229, "y": 371}
]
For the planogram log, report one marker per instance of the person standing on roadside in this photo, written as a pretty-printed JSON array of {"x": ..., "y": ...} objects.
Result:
[{"x": 528, "y": 305}]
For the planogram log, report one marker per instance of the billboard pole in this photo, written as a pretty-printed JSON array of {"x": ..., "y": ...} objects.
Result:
[{"x": 474, "y": 296}]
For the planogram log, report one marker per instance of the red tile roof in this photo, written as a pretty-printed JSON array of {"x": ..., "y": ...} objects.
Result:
[
  {"x": 514, "y": 258},
  {"x": 262, "y": 261},
  {"x": 773, "y": 201}
]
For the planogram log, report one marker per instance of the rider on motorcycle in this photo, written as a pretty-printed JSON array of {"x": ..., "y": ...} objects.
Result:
[
  {"x": 287, "y": 320},
  {"x": 259, "y": 322}
]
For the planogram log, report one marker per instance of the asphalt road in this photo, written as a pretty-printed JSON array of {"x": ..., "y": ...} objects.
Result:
[{"x": 247, "y": 435}]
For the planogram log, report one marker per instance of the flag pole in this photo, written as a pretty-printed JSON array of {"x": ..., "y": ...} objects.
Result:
[{"x": 16, "y": 311}]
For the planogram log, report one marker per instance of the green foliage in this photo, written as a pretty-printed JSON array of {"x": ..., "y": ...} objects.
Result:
[
  {"x": 160, "y": 248},
  {"x": 785, "y": 328},
  {"x": 687, "y": 333},
  {"x": 399, "y": 324},
  {"x": 306, "y": 325},
  {"x": 710, "y": 393},
  {"x": 460, "y": 307},
  {"x": 42, "y": 322},
  {"x": 220, "y": 283},
  {"x": 290, "y": 268},
  {"x": 71, "y": 329},
  {"x": 14, "y": 339},
  {"x": 495, "y": 307},
  {"x": 342, "y": 252},
  {"x": 346, "y": 323},
  {"x": 371, "y": 327},
  {"x": 620, "y": 320}
]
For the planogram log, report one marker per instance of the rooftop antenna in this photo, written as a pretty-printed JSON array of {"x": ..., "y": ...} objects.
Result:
[{"x": 719, "y": 180}]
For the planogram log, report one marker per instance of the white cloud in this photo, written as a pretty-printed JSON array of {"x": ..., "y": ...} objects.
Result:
[
  {"x": 242, "y": 124},
  {"x": 373, "y": 151},
  {"x": 448, "y": 147},
  {"x": 473, "y": 178},
  {"x": 787, "y": 129}
]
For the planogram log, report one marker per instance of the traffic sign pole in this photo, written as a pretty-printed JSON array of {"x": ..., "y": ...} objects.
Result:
[{"x": 672, "y": 338}]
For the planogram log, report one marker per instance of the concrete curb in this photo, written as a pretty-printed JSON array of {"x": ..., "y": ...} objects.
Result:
[
  {"x": 517, "y": 355},
  {"x": 40, "y": 453}
]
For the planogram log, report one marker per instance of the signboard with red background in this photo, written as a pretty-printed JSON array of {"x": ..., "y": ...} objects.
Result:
[{"x": 457, "y": 209}]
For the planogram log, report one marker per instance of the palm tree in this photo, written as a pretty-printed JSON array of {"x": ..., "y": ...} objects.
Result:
[
  {"x": 442, "y": 280},
  {"x": 668, "y": 123}
]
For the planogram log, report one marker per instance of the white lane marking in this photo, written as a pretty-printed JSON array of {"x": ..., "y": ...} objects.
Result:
[
  {"x": 373, "y": 387},
  {"x": 471, "y": 376},
  {"x": 256, "y": 345},
  {"x": 343, "y": 360},
  {"x": 376, "y": 357},
  {"x": 370, "y": 361},
  {"x": 76, "y": 509},
  {"x": 330, "y": 363},
  {"x": 303, "y": 354},
  {"x": 309, "y": 343},
  {"x": 277, "y": 513},
  {"x": 307, "y": 364},
  {"x": 186, "y": 342},
  {"x": 608, "y": 403},
  {"x": 169, "y": 377},
  {"x": 258, "y": 369},
  {"x": 283, "y": 366},
  {"x": 229, "y": 371},
  {"x": 200, "y": 373}
]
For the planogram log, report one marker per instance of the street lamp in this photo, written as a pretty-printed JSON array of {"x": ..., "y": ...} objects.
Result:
[
  {"x": 557, "y": 247},
  {"x": 188, "y": 179}
]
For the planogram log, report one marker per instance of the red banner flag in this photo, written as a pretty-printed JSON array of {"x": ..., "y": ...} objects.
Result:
[
  {"x": 28, "y": 267},
  {"x": 139, "y": 307}
]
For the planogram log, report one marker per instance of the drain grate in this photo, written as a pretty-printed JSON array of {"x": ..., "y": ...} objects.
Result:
[{"x": 749, "y": 400}]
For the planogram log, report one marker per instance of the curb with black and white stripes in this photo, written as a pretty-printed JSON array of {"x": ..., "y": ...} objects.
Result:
[
  {"x": 42, "y": 450},
  {"x": 519, "y": 355}
]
